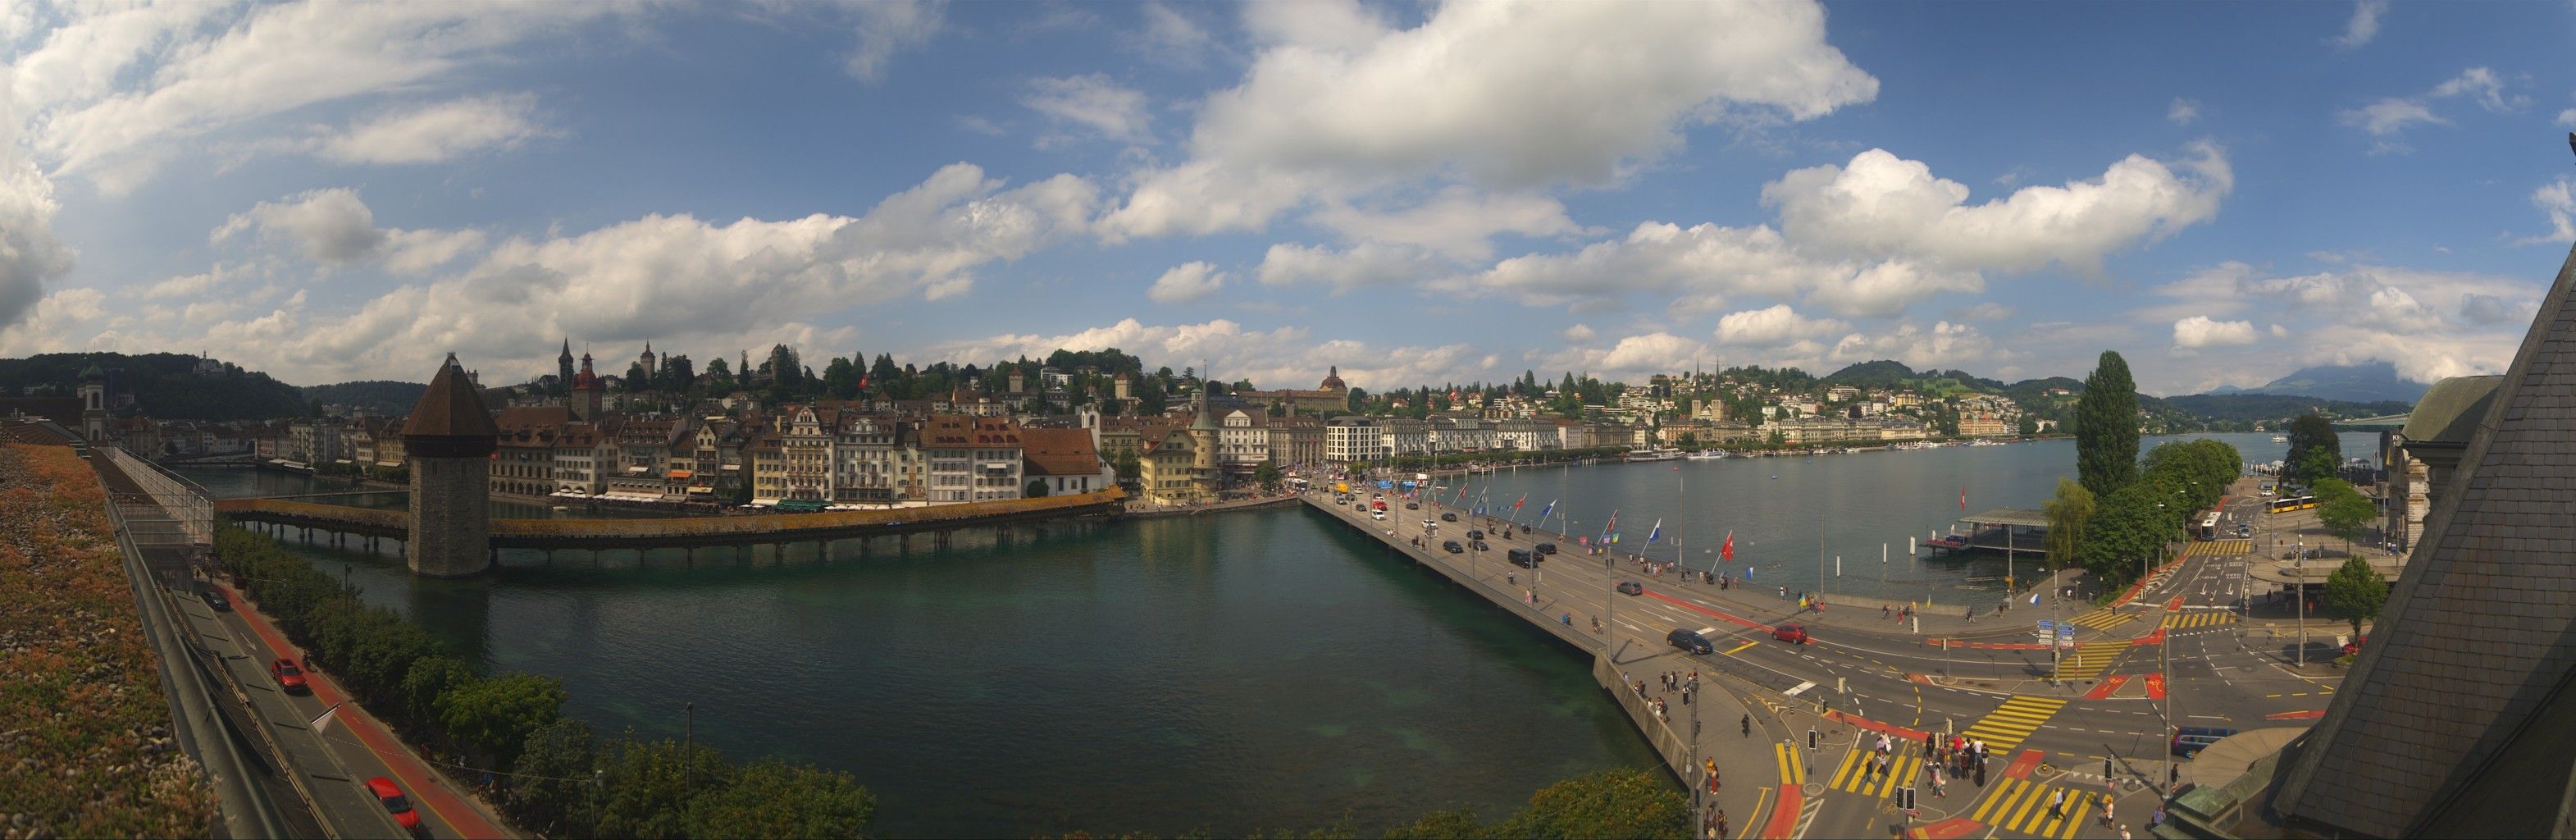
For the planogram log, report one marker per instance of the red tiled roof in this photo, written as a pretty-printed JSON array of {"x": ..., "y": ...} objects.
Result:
[{"x": 1065, "y": 452}]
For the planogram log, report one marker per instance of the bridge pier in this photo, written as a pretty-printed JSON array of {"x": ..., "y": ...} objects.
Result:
[{"x": 737, "y": 554}]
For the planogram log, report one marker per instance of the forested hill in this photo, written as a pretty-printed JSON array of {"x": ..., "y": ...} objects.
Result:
[
  {"x": 163, "y": 385},
  {"x": 377, "y": 396},
  {"x": 2246, "y": 409}
]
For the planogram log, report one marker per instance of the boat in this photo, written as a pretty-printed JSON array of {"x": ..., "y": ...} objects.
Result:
[
  {"x": 1707, "y": 455},
  {"x": 2280, "y": 438},
  {"x": 1655, "y": 455}
]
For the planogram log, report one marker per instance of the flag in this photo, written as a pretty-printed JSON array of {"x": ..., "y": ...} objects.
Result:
[
  {"x": 1655, "y": 533},
  {"x": 1516, "y": 504},
  {"x": 1963, "y": 498},
  {"x": 323, "y": 720},
  {"x": 2034, "y": 598},
  {"x": 1543, "y": 512},
  {"x": 1613, "y": 524},
  {"x": 1748, "y": 573},
  {"x": 1727, "y": 551}
]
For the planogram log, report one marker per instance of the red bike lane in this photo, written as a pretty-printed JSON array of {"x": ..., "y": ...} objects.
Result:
[{"x": 422, "y": 784}]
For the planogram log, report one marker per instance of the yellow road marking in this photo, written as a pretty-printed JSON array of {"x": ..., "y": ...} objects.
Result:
[{"x": 1731, "y": 651}]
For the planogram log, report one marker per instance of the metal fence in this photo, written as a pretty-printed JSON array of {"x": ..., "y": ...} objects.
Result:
[{"x": 169, "y": 510}]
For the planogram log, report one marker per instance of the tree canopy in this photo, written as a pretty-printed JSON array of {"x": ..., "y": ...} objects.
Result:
[
  {"x": 2355, "y": 592},
  {"x": 2106, "y": 427},
  {"x": 2315, "y": 451}
]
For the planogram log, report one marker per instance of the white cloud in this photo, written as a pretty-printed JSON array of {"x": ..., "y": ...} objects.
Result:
[
  {"x": 1363, "y": 265},
  {"x": 887, "y": 27},
  {"x": 422, "y": 251},
  {"x": 436, "y": 133},
  {"x": 1171, "y": 36},
  {"x": 2364, "y": 24},
  {"x": 2479, "y": 84},
  {"x": 1880, "y": 205},
  {"x": 2183, "y": 111},
  {"x": 111, "y": 93},
  {"x": 1946, "y": 345},
  {"x": 2567, "y": 118},
  {"x": 2556, "y": 200},
  {"x": 30, "y": 255},
  {"x": 1776, "y": 325},
  {"x": 2200, "y": 331},
  {"x": 1578, "y": 334},
  {"x": 2389, "y": 116},
  {"x": 1283, "y": 357},
  {"x": 331, "y": 226},
  {"x": 2392, "y": 115},
  {"x": 1457, "y": 223},
  {"x": 1186, "y": 282},
  {"x": 1091, "y": 102},
  {"x": 1502, "y": 95}
]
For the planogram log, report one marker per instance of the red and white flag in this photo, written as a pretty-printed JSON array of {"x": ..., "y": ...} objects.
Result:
[
  {"x": 1727, "y": 551},
  {"x": 1963, "y": 498}
]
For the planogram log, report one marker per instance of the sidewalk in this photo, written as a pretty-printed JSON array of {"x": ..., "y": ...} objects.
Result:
[{"x": 428, "y": 789}]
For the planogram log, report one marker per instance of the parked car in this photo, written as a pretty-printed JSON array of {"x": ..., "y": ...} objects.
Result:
[
  {"x": 1546, "y": 548},
  {"x": 1795, "y": 634},
  {"x": 1523, "y": 559},
  {"x": 214, "y": 598},
  {"x": 1689, "y": 640},
  {"x": 2188, "y": 741},
  {"x": 395, "y": 803},
  {"x": 288, "y": 677},
  {"x": 1448, "y": 517},
  {"x": 1630, "y": 587},
  {"x": 1451, "y": 547},
  {"x": 2245, "y": 529}
]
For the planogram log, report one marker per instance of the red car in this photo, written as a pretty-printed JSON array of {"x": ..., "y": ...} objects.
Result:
[
  {"x": 395, "y": 802},
  {"x": 1791, "y": 633},
  {"x": 2353, "y": 648},
  {"x": 288, "y": 676}
]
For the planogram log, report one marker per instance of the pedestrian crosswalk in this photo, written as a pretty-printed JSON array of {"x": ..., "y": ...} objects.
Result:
[
  {"x": 2103, "y": 619},
  {"x": 2220, "y": 548},
  {"x": 1904, "y": 769},
  {"x": 1793, "y": 768},
  {"x": 2008, "y": 725},
  {"x": 2206, "y": 618},
  {"x": 2087, "y": 660},
  {"x": 2021, "y": 805}
]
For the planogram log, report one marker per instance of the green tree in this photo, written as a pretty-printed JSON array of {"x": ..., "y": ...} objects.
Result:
[
  {"x": 554, "y": 793},
  {"x": 2068, "y": 513},
  {"x": 2125, "y": 528},
  {"x": 646, "y": 786},
  {"x": 2343, "y": 510},
  {"x": 1618, "y": 802},
  {"x": 2313, "y": 444},
  {"x": 2028, "y": 426},
  {"x": 1037, "y": 489},
  {"x": 2356, "y": 592},
  {"x": 1440, "y": 825},
  {"x": 770, "y": 798},
  {"x": 2106, "y": 427},
  {"x": 1130, "y": 470},
  {"x": 720, "y": 376},
  {"x": 430, "y": 678},
  {"x": 1267, "y": 474},
  {"x": 495, "y": 716}
]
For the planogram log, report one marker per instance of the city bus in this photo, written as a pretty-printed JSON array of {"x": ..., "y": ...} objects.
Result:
[
  {"x": 2209, "y": 526},
  {"x": 2285, "y": 505}
]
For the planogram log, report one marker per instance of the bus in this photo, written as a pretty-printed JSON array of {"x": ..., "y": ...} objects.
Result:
[
  {"x": 2291, "y": 503},
  {"x": 2209, "y": 526}
]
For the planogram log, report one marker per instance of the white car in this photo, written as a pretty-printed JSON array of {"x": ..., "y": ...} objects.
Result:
[{"x": 1378, "y": 515}]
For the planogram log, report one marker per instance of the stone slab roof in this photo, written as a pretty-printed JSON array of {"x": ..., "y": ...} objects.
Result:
[{"x": 2478, "y": 635}]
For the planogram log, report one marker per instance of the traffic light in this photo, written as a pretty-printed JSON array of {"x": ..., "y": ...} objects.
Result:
[
  {"x": 1905, "y": 799},
  {"x": 1811, "y": 739},
  {"x": 2106, "y": 770}
]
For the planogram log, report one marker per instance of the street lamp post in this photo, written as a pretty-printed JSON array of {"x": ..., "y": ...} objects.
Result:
[{"x": 2302, "y": 594}]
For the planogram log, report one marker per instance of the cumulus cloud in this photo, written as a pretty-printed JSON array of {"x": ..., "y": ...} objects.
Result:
[
  {"x": 436, "y": 133},
  {"x": 1880, "y": 205},
  {"x": 1502, "y": 95},
  {"x": 1186, "y": 282},
  {"x": 1171, "y": 36},
  {"x": 2364, "y": 24},
  {"x": 2199, "y": 331},
  {"x": 1945, "y": 345},
  {"x": 2183, "y": 111},
  {"x": 1578, "y": 334},
  {"x": 1363, "y": 265},
  {"x": 1283, "y": 357},
  {"x": 1457, "y": 223},
  {"x": 886, "y": 28},
  {"x": 30, "y": 255},
  {"x": 2557, "y": 201},
  {"x": 1777, "y": 325},
  {"x": 1092, "y": 104},
  {"x": 332, "y": 226}
]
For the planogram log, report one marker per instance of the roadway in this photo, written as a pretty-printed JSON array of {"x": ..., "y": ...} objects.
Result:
[{"x": 1861, "y": 674}]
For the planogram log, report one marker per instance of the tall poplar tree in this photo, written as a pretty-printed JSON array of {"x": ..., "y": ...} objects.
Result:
[{"x": 2106, "y": 428}]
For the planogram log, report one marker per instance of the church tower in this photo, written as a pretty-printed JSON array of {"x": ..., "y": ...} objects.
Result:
[
  {"x": 93, "y": 396},
  {"x": 563, "y": 365},
  {"x": 647, "y": 361},
  {"x": 586, "y": 393},
  {"x": 450, "y": 438}
]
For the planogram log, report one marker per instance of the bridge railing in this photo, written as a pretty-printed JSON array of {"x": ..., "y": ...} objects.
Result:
[
  {"x": 171, "y": 510},
  {"x": 712, "y": 526}
]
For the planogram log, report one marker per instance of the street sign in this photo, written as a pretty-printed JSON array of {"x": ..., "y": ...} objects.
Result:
[
  {"x": 2047, "y": 627},
  {"x": 2066, "y": 636}
]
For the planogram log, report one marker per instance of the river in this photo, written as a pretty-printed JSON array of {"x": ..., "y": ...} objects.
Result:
[{"x": 1232, "y": 673}]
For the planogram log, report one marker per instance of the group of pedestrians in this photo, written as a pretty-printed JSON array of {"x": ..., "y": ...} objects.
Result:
[{"x": 1964, "y": 757}]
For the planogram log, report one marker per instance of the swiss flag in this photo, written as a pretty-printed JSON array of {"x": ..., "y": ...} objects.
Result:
[{"x": 1727, "y": 551}]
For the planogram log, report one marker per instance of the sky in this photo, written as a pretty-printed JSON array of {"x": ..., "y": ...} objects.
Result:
[{"x": 1415, "y": 193}]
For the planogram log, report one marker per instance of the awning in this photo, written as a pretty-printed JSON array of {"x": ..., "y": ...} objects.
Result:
[
  {"x": 733, "y": 466},
  {"x": 389, "y": 464},
  {"x": 680, "y": 474},
  {"x": 639, "y": 470}
]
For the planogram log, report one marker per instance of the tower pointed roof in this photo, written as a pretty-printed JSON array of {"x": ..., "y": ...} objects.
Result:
[
  {"x": 1206, "y": 420},
  {"x": 567, "y": 351},
  {"x": 452, "y": 408},
  {"x": 2453, "y": 720}
]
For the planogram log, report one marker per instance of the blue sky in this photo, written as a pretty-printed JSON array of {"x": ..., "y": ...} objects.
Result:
[{"x": 1417, "y": 193}]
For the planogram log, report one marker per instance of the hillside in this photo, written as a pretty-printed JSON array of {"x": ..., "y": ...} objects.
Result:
[
  {"x": 2239, "y": 412},
  {"x": 2371, "y": 382},
  {"x": 377, "y": 396},
  {"x": 164, "y": 385}
]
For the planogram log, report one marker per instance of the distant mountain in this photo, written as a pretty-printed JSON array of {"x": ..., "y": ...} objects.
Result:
[
  {"x": 376, "y": 395},
  {"x": 2243, "y": 410},
  {"x": 2372, "y": 382}
]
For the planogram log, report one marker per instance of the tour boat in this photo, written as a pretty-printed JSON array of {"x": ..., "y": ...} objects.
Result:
[
  {"x": 1655, "y": 455},
  {"x": 2280, "y": 438},
  {"x": 1707, "y": 455}
]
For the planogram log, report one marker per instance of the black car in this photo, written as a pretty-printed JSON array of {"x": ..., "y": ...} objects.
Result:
[
  {"x": 1523, "y": 559},
  {"x": 1451, "y": 547},
  {"x": 1474, "y": 534},
  {"x": 1689, "y": 640},
  {"x": 215, "y": 598},
  {"x": 1630, "y": 587},
  {"x": 1448, "y": 517},
  {"x": 1479, "y": 545},
  {"x": 1412, "y": 505},
  {"x": 1547, "y": 548}
]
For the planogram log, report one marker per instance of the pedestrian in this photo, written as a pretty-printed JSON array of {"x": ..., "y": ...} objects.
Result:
[
  {"x": 1748, "y": 726},
  {"x": 1784, "y": 593},
  {"x": 2056, "y": 802},
  {"x": 2107, "y": 819},
  {"x": 1883, "y": 611},
  {"x": 2124, "y": 832},
  {"x": 1721, "y": 822}
]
